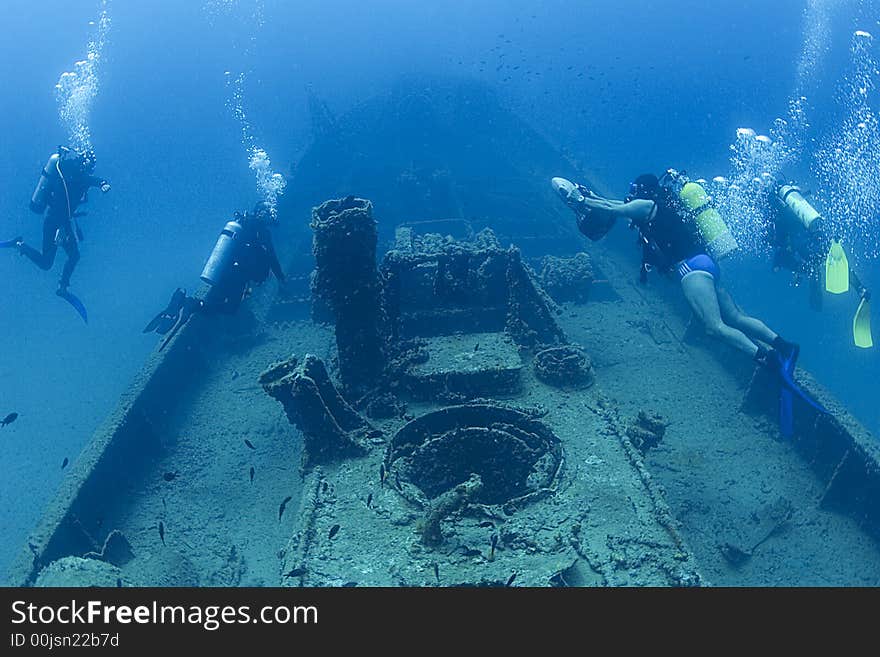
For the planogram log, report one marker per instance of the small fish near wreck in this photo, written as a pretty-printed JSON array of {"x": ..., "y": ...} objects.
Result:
[
  {"x": 9, "y": 419},
  {"x": 283, "y": 506}
]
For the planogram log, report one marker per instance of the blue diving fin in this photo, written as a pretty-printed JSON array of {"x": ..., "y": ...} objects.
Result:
[
  {"x": 789, "y": 383},
  {"x": 74, "y": 301},
  {"x": 787, "y": 390}
]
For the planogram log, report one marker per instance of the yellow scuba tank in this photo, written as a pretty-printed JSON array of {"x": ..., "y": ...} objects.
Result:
[
  {"x": 40, "y": 197},
  {"x": 719, "y": 240},
  {"x": 791, "y": 198}
]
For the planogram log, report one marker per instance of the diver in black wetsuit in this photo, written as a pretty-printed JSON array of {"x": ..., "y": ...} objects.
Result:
[
  {"x": 802, "y": 243},
  {"x": 243, "y": 256},
  {"x": 64, "y": 185}
]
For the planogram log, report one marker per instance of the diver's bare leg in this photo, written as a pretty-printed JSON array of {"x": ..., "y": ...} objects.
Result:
[
  {"x": 699, "y": 290},
  {"x": 734, "y": 316}
]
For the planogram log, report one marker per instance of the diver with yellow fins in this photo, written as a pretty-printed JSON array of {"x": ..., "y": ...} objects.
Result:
[
  {"x": 803, "y": 246},
  {"x": 682, "y": 233}
]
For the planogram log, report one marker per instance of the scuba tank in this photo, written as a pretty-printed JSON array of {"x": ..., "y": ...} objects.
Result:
[
  {"x": 40, "y": 197},
  {"x": 222, "y": 258},
  {"x": 720, "y": 242},
  {"x": 790, "y": 197}
]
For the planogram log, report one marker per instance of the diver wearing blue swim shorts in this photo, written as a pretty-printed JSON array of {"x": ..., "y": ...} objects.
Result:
[{"x": 672, "y": 243}]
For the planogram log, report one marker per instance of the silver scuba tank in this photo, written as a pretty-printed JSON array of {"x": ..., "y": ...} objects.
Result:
[
  {"x": 790, "y": 197},
  {"x": 222, "y": 258},
  {"x": 40, "y": 197}
]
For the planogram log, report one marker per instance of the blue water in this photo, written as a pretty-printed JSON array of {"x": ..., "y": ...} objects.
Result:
[{"x": 621, "y": 87}]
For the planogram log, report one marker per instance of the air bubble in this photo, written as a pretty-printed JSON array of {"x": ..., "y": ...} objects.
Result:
[{"x": 77, "y": 89}]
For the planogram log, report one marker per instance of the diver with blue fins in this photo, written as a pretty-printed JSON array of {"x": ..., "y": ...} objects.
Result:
[
  {"x": 63, "y": 186},
  {"x": 681, "y": 233},
  {"x": 244, "y": 255},
  {"x": 802, "y": 244}
]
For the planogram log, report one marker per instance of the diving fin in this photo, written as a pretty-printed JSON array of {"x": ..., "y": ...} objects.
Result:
[
  {"x": 167, "y": 318},
  {"x": 862, "y": 325},
  {"x": 189, "y": 307},
  {"x": 836, "y": 270},
  {"x": 789, "y": 383},
  {"x": 74, "y": 301},
  {"x": 788, "y": 389}
]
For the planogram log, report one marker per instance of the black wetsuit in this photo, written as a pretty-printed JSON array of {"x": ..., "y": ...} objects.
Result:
[
  {"x": 57, "y": 223},
  {"x": 797, "y": 249},
  {"x": 255, "y": 259},
  {"x": 668, "y": 237}
]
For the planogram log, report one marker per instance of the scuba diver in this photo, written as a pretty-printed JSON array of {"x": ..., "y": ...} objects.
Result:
[
  {"x": 64, "y": 185},
  {"x": 802, "y": 244},
  {"x": 244, "y": 255},
  {"x": 682, "y": 234}
]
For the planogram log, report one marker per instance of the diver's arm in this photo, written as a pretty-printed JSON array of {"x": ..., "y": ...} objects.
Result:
[{"x": 638, "y": 210}]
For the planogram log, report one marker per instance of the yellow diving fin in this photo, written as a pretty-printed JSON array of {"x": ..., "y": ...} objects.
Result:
[
  {"x": 836, "y": 270},
  {"x": 862, "y": 325}
]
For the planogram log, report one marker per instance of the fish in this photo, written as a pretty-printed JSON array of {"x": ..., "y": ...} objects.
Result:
[
  {"x": 252, "y": 474},
  {"x": 493, "y": 543},
  {"x": 283, "y": 506},
  {"x": 9, "y": 419},
  {"x": 164, "y": 504},
  {"x": 119, "y": 582},
  {"x": 162, "y": 531},
  {"x": 170, "y": 476},
  {"x": 296, "y": 572},
  {"x": 382, "y": 473},
  {"x": 64, "y": 463},
  {"x": 487, "y": 523},
  {"x": 370, "y": 501},
  {"x": 437, "y": 572},
  {"x": 510, "y": 579},
  {"x": 249, "y": 443},
  {"x": 349, "y": 585},
  {"x": 333, "y": 531}
]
